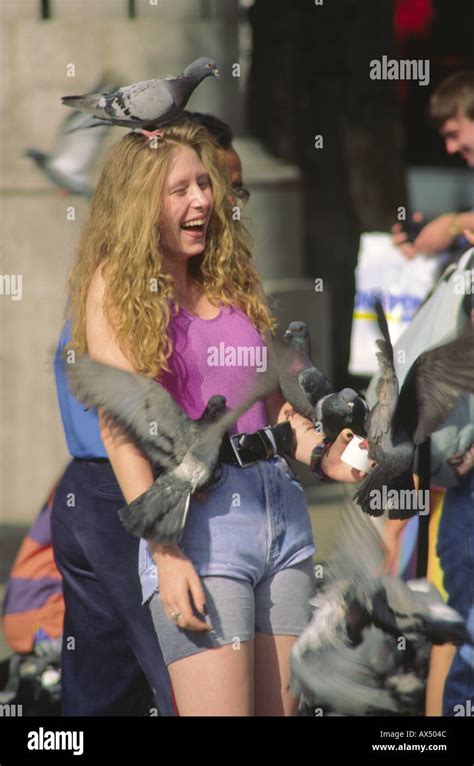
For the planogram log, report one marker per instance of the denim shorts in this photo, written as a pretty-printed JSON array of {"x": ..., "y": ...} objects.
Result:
[{"x": 248, "y": 526}]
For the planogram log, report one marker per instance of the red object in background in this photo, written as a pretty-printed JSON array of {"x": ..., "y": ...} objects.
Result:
[{"x": 412, "y": 18}]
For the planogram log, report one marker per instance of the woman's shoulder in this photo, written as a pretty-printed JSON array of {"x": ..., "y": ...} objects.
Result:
[{"x": 97, "y": 284}]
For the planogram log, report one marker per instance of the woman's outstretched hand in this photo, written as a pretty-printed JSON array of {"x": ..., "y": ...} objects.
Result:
[
  {"x": 180, "y": 588},
  {"x": 307, "y": 438},
  {"x": 334, "y": 467}
]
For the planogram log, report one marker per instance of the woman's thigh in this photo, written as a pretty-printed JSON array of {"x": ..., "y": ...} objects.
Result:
[
  {"x": 216, "y": 682},
  {"x": 282, "y": 611},
  {"x": 272, "y": 677},
  {"x": 212, "y": 673},
  {"x": 215, "y": 673}
]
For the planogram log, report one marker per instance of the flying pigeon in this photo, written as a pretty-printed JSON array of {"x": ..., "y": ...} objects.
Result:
[
  {"x": 400, "y": 421},
  {"x": 72, "y": 155},
  {"x": 309, "y": 391},
  {"x": 185, "y": 450},
  {"x": 366, "y": 649},
  {"x": 145, "y": 105}
]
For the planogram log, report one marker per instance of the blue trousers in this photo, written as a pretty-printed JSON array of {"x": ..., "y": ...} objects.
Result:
[
  {"x": 111, "y": 659},
  {"x": 456, "y": 552}
]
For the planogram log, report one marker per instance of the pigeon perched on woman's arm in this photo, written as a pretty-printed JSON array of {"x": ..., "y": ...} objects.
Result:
[
  {"x": 310, "y": 392},
  {"x": 186, "y": 450},
  {"x": 301, "y": 383}
]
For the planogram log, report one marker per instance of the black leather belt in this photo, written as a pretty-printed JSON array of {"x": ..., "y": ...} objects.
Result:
[{"x": 246, "y": 449}]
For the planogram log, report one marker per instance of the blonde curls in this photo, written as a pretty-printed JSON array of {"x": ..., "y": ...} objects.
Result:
[{"x": 122, "y": 235}]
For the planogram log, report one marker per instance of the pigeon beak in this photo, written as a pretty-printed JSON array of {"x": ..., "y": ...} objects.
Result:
[
  {"x": 287, "y": 335},
  {"x": 216, "y": 73}
]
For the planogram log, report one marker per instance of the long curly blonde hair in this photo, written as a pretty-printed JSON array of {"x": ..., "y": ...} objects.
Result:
[{"x": 123, "y": 235}]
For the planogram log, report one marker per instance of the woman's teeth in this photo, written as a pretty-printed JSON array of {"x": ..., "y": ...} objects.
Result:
[{"x": 196, "y": 223}]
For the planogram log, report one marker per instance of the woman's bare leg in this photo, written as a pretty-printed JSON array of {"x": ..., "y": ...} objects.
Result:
[
  {"x": 215, "y": 682},
  {"x": 272, "y": 675},
  {"x": 440, "y": 662}
]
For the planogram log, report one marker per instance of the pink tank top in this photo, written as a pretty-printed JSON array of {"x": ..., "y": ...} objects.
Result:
[{"x": 216, "y": 356}]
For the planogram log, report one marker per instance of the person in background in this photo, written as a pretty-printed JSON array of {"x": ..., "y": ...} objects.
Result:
[
  {"x": 451, "y": 533},
  {"x": 451, "y": 111}
]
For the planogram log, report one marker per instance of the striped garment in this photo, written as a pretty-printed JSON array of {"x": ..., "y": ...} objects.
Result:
[{"x": 33, "y": 608}]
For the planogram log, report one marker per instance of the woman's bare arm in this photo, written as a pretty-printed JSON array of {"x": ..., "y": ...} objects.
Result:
[
  {"x": 178, "y": 578},
  {"x": 132, "y": 469}
]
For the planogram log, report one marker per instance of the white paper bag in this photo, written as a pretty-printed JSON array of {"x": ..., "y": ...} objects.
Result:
[{"x": 401, "y": 284}]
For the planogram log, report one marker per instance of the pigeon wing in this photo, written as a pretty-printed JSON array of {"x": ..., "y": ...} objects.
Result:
[
  {"x": 441, "y": 375},
  {"x": 143, "y": 101},
  {"x": 266, "y": 384},
  {"x": 379, "y": 420},
  {"x": 439, "y": 622},
  {"x": 204, "y": 452},
  {"x": 159, "y": 514},
  {"x": 140, "y": 405},
  {"x": 341, "y": 679},
  {"x": 395, "y": 473}
]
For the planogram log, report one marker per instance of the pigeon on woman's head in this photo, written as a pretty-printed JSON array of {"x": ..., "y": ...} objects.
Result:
[
  {"x": 400, "y": 421},
  {"x": 186, "y": 451},
  {"x": 145, "y": 105},
  {"x": 201, "y": 68}
]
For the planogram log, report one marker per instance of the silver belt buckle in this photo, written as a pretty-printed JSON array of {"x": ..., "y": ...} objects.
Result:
[
  {"x": 241, "y": 463},
  {"x": 268, "y": 433}
]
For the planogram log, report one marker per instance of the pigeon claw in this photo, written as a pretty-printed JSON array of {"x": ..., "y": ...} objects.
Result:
[{"x": 150, "y": 133}]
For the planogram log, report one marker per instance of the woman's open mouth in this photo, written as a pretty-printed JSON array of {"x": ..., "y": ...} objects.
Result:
[{"x": 194, "y": 227}]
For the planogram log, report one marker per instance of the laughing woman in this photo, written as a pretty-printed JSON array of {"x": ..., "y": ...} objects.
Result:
[{"x": 163, "y": 274}]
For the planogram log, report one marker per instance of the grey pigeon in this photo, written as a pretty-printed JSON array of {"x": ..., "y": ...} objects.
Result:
[
  {"x": 400, "y": 421},
  {"x": 185, "y": 450},
  {"x": 72, "y": 155},
  {"x": 342, "y": 409},
  {"x": 145, "y": 105},
  {"x": 309, "y": 391},
  {"x": 366, "y": 650},
  {"x": 301, "y": 383}
]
